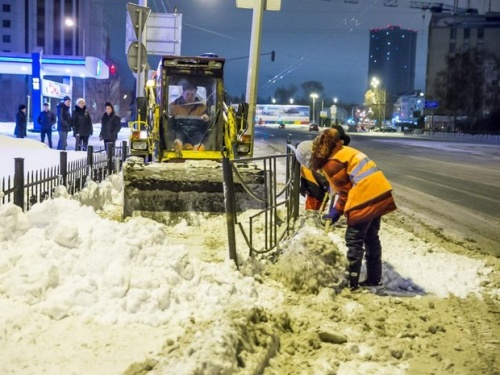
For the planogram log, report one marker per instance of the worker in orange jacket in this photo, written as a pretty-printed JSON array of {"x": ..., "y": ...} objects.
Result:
[
  {"x": 313, "y": 185},
  {"x": 364, "y": 196}
]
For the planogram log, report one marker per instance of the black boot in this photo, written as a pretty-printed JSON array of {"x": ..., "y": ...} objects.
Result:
[
  {"x": 373, "y": 273},
  {"x": 353, "y": 278}
]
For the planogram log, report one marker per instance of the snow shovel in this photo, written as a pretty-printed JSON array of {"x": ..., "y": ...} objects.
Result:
[{"x": 328, "y": 222}]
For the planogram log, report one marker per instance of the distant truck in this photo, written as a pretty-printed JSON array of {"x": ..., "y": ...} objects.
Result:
[{"x": 408, "y": 110}]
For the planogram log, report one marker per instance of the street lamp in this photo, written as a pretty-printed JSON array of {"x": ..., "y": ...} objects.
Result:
[
  {"x": 291, "y": 100},
  {"x": 70, "y": 23},
  {"x": 314, "y": 96},
  {"x": 273, "y": 100},
  {"x": 376, "y": 99},
  {"x": 335, "y": 100}
]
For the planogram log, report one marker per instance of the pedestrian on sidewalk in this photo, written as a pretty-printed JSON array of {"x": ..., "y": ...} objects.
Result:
[
  {"x": 82, "y": 125},
  {"x": 21, "y": 122},
  {"x": 46, "y": 119},
  {"x": 63, "y": 122},
  {"x": 110, "y": 125}
]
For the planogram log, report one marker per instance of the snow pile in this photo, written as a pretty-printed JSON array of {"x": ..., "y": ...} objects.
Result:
[
  {"x": 309, "y": 262},
  {"x": 108, "y": 271}
]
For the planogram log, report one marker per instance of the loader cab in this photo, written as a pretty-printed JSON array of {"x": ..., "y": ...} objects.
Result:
[
  {"x": 191, "y": 101},
  {"x": 192, "y": 115}
]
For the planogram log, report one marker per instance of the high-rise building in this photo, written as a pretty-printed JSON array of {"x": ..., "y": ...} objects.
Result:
[
  {"x": 60, "y": 27},
  {"x": 392, "y": 60}
]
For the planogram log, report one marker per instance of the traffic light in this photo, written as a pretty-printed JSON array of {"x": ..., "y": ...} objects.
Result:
[
  {"x": 273, "y": 55},
  {"x": 112, "y": 69}
]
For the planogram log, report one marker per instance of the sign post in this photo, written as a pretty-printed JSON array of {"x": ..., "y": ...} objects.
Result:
[
  {"x": 258, "y": 7},
  {"x": 138, "y": 16},
  {"x": 432, "y": 105}
]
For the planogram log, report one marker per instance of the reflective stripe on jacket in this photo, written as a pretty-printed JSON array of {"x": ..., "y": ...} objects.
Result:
[{"x": 364, "y": 192}]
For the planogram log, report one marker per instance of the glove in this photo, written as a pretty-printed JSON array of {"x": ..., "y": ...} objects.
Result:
[{"x": 333, "y": 215}]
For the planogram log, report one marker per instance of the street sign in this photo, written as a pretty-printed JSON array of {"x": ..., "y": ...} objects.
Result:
[
  {"x": 250, "y": 4},
  {"x": 133, "y": 57},
  {"x": 138, "y": 19},
  {"x": 431, "y": 104}
]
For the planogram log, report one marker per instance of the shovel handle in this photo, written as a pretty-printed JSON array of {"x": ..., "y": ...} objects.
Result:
[{"x": 327, "y": 225}]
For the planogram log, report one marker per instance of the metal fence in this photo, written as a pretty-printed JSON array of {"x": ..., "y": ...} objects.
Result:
[
  {"x": 27, "y": 189},
  {"x": 273, "y": 226}
]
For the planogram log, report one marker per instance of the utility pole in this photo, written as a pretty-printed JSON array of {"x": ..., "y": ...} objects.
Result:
[
  {"x": 253, "y": 65},
  {"x": 141, "y": 38}
]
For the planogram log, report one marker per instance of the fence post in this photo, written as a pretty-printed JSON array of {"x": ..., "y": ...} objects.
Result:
[
  {"x": 19, "y": 182},
  {"x": 63, "y": 162},
  {"x": 229, "y": 205},
  {"x": 124, "y": 150},
  {"x": 109, "y": 157},
  {"x": 90, "y": 156},
  {"x": 296, "y": 188},
  {"x": 77, "y": 143}
]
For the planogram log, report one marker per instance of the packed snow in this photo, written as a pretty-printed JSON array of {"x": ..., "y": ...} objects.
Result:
[{"x": 82, "y": 291}]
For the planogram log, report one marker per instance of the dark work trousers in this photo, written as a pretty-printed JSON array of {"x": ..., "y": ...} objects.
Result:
[
  {"x": 360, "y": 238},
  {"x": 49, "y": 136}
]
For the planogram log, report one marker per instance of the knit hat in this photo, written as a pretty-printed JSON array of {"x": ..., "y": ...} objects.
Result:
[
  {"x": 66, "y": 98},
  {"x": 80, "y": 100},
  {"x": 22, "y": 106}
]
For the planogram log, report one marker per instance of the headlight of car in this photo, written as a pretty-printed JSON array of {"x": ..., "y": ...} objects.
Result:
[{"x": 139, "y": 145}]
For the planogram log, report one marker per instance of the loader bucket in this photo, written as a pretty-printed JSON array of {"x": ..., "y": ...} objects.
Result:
[{"x": 170, "y": 192}]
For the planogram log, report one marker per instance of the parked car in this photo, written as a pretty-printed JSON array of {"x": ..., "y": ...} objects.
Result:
[
  {"x": 313, "y": 126},
  {"x": 385, "y": 129}
]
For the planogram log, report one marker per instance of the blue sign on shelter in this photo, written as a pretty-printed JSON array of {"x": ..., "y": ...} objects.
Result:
[{"x": 431, "y": 104}]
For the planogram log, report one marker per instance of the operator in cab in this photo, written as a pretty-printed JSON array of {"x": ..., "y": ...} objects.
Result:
[{"x": 191, "y": 116}]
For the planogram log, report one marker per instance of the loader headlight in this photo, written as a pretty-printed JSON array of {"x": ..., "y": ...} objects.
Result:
[
  {"x": 243, "y": 148},
  {"x": 139, "y": 145}
]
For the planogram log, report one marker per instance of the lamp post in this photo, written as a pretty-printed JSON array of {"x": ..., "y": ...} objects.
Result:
[
  {"x": 374, "y": 83},
  {"x": 314, "y": 96},
  {"x": 70, "y": 23},
  {"x": 291, "y": 100},
  {"x": 335, "y": 100}
]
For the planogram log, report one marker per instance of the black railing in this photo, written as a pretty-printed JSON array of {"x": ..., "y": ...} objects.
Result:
[
  {"x": 279, "y": 198},
  {"x": 26, "y": 189}
]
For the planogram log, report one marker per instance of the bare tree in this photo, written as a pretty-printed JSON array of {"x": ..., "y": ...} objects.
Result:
[
  {"x": 469, "y": 85},
  {"x": 283, "y": 94}
]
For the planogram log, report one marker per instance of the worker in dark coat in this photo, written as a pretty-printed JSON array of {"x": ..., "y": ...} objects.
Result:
[
  {"x": 82, "y": 124},
  {"x": 21, "y": 122},
  {"x": 110, "y": 125}
]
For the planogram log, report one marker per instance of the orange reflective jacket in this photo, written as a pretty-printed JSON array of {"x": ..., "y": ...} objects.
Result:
[{"x": 364, "y": 192}]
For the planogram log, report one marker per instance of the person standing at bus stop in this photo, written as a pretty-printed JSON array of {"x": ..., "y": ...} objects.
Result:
[
  {"x": 21, "y": 122},
  {"x": 63, "y": 122},
  {"x": 46, "y": 119},
  {"x": 82, "y": 124},
  {"x": 110, "y": 125}
]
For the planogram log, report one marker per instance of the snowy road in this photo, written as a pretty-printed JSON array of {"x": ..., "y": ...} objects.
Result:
[{"x": 449, "y": 185}]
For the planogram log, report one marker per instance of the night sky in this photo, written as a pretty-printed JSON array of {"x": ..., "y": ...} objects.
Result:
[{"x": 322, "y": 40}]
